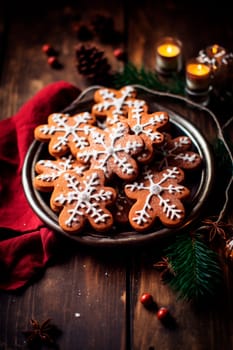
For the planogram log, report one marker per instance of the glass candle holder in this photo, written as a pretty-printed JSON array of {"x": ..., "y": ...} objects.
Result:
[
  {"x": 168, "y": 57},
  {"x": 198, "y": 75},
  {"x": 213, "y": 55},
  {"x": 217, "y": 58}
]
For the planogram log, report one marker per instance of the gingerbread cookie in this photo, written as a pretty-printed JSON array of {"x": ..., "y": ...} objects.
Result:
[
  {"x": 146, "y": 126},
  {"x": 83, "y": 199},
  {"x": 65, "y": 133},
  {"x": 114, "y": 104},
  {"x": 49, "y": 170},
  {"x": 112, "y": 150},
  {"x": 158, "y": 195},
  {"x": 177, "y": 152}
]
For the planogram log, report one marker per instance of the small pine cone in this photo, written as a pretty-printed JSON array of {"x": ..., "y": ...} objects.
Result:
[{"x": 92, "y": 63}]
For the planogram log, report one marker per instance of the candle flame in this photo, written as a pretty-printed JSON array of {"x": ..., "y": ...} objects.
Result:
[
  {"x": 215, "y": 49},
  {"x": 198, "y": 69},
  {"x": 169, "y": 49}
]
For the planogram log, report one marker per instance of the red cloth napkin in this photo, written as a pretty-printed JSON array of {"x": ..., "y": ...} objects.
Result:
[{"x": 26, "y": 244}]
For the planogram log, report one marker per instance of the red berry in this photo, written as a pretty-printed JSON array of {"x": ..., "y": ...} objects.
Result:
[
  {"x": 146, "y": 299},
  {"x": 54, "y": 63},
  {"x": 46, "y": 48},
  {"x": 52, "y": 60},
  {"x": 120, "y": 54},
  {"x": 49, "y": 50},
  {"x": 162, "y": 313}
]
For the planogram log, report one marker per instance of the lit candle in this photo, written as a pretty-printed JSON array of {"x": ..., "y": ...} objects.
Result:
[
  {"x": 215, "y": 51},
  {"x": 216, "y": 57},
  {"x": 197, "y": 75},
  {"x": 213, "y": 55},
  {"x": 168, "y": 55},
  {"x": 216, "y": 54}
]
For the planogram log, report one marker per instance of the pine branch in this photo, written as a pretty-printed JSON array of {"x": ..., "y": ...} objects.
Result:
[
  {"x": 150, "y": 79},
  {"x": 196, "y": 269}
]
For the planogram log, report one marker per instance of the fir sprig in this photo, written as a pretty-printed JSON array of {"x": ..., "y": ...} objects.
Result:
[
  {"x": 197, "y": 273},
  {"x": 148, "y": 78}
]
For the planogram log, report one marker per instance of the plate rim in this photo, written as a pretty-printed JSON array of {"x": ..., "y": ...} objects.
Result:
[{"x": 135, "y": 237}]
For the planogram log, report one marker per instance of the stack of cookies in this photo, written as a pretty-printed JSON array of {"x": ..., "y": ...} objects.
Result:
[{"x": 117, "y": 164}]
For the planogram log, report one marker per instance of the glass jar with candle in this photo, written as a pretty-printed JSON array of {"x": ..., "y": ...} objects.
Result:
[
  {"x": 216, "y": 57},
  {"x": 168, "y": 57},
  {"x": 198, "y": 78},
  {"x": 213, "y": 55},
  {"x": 198, "y": 75}
]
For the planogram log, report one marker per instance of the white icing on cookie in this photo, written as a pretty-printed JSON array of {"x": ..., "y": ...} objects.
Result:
[
  {"x": 70, "y": 130},
  {"x": 146, "y": 125},
  {"x": 116, "y": 103},
  {"x": 176, "y": 152},
  {"x": 111, "y": 150},
  {"x": 155, "y": 188},
  {"x": 84, "y": 198},
  {"x": 52, "y": 169}
]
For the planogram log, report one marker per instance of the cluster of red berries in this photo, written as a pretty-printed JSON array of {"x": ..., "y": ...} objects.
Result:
[
  {"x": 52, "y": 56},
  {"x": 53, "y": 61},
  {"x": 148, "y": 301}
]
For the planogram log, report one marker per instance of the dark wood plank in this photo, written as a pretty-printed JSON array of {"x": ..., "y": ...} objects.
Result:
[
  {"x": 196, "y": 26},
  {"x": 93, "y": 295},
  {"x": 3, "y": 42},
  {"x": 25, "y": 69},
  {"x": 196, "y": 328},
  {"x": 85, "y": 295}
]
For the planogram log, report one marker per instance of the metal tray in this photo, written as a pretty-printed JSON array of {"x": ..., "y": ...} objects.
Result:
[{"x": 186, "y": 118}]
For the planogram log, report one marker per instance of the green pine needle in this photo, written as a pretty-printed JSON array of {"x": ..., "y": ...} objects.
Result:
[
  {"x": 150, "y": 79},
  {"x": 197, "y": 273}
]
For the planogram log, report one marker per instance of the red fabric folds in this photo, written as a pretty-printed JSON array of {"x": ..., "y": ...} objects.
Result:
[{"x": 26, "y": 244}]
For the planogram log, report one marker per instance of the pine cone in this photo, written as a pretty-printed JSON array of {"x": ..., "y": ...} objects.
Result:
[{"x": 92, "y": 63}]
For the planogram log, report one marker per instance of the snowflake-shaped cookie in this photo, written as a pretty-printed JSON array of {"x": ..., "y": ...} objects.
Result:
[
  {"x": 114, "y": 104},
  {"x": 176, "y": 152},
  {"x": 157, "y": 195},
  {"x": 65, "y": 132},
  {"x": 83, "y": 199},
  {"x": 111, "y": 150},
  {"x": 49, "y": 170},
  {"x": 147, "y": 125}
]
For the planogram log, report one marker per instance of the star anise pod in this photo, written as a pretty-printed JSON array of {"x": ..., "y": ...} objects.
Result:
[
  {"x": 165, "y": 266},
  {"x": 217, "y": 228},
  {"x": 40, "y": 334}
]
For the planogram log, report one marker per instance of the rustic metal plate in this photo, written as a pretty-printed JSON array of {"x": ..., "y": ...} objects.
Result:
[{"x": 186, "y": 118}]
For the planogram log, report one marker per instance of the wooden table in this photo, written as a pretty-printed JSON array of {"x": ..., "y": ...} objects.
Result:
[{"x": 93, "y": 294}]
